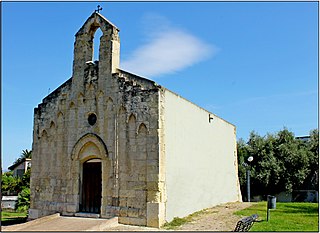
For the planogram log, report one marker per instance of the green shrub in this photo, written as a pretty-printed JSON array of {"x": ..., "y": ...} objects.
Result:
[{"x": 23, "y": 202}]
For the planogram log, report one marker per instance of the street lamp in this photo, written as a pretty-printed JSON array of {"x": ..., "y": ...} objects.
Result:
[{"x": 248, "y": 176}]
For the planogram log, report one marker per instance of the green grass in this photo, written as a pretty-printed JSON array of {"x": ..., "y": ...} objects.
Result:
[
  {"x": 286, "y": 217},
  {"x": 12, "y": 217}
]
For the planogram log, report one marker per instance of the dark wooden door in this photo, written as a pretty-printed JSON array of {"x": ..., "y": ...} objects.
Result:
[{"x": 91, "y": 187}]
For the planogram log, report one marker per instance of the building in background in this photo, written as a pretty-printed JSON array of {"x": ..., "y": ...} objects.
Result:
[
  {"x": 20, "y": 167},
  {"x": 9, "y": 202}
]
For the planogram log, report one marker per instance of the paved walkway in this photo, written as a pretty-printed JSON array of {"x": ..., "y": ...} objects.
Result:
[
  {"x": 60, "y": 223},
  {"x": 56, "y": 222}
]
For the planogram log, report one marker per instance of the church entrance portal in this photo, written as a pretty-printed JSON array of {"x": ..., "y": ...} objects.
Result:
[{"x": 91, "y": 186}]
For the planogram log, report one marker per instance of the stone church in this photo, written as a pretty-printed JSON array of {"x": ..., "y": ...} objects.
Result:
[{"x": 108, "y": 143}]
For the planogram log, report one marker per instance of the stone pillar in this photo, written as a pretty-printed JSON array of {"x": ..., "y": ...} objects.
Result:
[
  {"x": 156, "y": 196},
  {"x": 109, "y": 50},
  {"x": 82, "y": 53},
  {"x": 109, "y": 56}
]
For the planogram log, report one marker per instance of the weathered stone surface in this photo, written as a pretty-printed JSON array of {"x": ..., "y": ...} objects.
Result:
[
  {"x": 116, "y": 120},
  {"x": 133, "y": 221},
  {"x": 153, "y": 215},
  {"x": 71, "y": 208},
  {"x": 123, "y": 212},
  {"x": 154, "y": 196},
  {"x": 133, "y": 212}
]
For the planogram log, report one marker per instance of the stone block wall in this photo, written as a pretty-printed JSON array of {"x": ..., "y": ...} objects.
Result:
[
  {"x": 138, "y": 151},
  {"x": 127, "y": 126},
  {"x": 124, "y": 135}
]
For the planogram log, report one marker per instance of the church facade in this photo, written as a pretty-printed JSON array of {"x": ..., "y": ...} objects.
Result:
[{"x": 108, "y": 143}]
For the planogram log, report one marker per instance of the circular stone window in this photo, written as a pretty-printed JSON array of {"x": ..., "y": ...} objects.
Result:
[{"x": 92, "y": 119}]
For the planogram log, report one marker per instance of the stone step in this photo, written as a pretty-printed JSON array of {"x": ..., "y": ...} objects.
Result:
[{"x": 87, "y": 215}]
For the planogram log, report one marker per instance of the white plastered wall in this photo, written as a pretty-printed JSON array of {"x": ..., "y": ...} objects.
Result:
[{"x": 201, "y": 160}]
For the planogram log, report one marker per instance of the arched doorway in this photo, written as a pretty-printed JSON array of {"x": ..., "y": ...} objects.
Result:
[
  {"x": 91, "y": 186},
  {"x": 92, "y": 163}
]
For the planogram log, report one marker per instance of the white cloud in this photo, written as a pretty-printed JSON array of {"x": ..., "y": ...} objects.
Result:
[{"x": 167, "y": 51}]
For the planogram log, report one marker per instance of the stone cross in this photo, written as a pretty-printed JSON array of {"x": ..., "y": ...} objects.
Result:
[{"x": 98, "y": 9}]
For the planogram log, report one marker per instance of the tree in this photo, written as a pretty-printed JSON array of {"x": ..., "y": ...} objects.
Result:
[
  {"x": 242, "y": 151},
  {"x": 312, "y": 182},
  {"x": 10, "y": 185},
  {"x": 25, "y": 180},
  {"x": 294, "y": 155},
  {"x": 281, "y": 162},
  {"x": 26, "y": 154},
  {"x": 23, "y": 202}
]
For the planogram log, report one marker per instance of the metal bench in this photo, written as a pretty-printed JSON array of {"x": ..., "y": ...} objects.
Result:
[{"x": 245, "y": 224}]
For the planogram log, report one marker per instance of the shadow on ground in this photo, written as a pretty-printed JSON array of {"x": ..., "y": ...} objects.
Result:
[{"x": 12, "y": 221}]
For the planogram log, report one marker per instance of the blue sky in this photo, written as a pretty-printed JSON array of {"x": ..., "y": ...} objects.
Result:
[{"x": 255, "y": 64}]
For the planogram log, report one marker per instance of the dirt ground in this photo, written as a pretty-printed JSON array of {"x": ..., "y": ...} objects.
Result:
[{"x": 218, "y": 218}]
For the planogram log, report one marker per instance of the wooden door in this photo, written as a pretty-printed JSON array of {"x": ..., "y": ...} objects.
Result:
[{"x": 91, "y": 187}]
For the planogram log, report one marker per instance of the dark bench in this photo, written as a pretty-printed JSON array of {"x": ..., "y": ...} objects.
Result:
[{"x": 245, "y": 224}]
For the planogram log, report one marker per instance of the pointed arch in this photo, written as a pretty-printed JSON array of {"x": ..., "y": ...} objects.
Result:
[
  {"x": 89, "y": 146},
  {"x": 44, "y": 133},
  {"x": 122, "y": 110},
  {"x": 60, "y": 122},
  {"x": 60, "y": 115},
  {"x": 131, "y": 126},
  {"x": 142, "y": 129},
  {"x": 131, "y": 118},
  {"x": 109, "y": 99},
  {"x": 96, "y": 44},
  {"x": 93, "y": 28},
  {"x": 83, "y": 46},
  {"x": 91, "y": 87},
  {"x": 100, "y": 94},
  {"x": 71, "y": 105},
  {"x": 94, "y": 22},
  {"x": 90, "y": 30},
  {"x": 142, "y": 141},
  {"x": 52, "y": 125},
  {"x": 80, "y": 98},
  {"x": 109, "y": 103}
]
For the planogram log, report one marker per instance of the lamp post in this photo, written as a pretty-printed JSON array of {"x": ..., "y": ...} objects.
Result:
[{"x": 248, "y": 175}]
